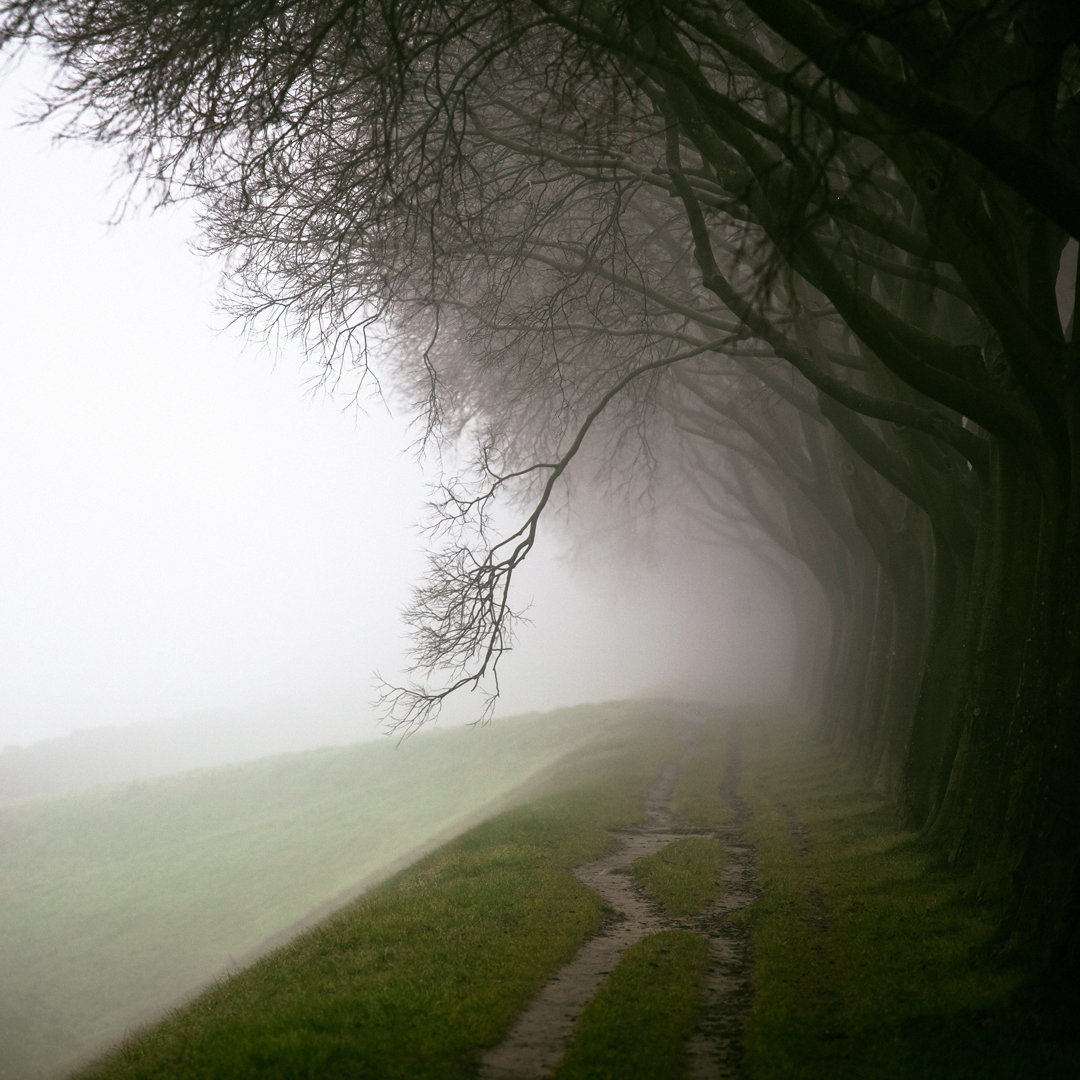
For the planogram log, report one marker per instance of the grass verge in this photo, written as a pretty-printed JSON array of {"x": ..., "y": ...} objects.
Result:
[
  {"x": 870, "y": 962},
  {"x": 412, "y": 980},
  {"x": 642, "y": 1016},
  {"x": 683, "y": 877}
]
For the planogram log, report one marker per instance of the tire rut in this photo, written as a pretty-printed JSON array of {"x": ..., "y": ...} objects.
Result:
[{"x": 537, "y": 1042}]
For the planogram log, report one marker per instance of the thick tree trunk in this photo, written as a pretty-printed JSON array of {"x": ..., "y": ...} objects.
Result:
[
  {"x": 1038, "y": 851},
  {"x": 907, "y": 659},
  {"x": 815, "y": 627},
  {"x": 969, "y": 818},
  {"x": 1011, "y": 809},
  {"x": 1039, "y": 848},
  {"x": 935, "y": 728},
  {"x": 852, "y": 664}
]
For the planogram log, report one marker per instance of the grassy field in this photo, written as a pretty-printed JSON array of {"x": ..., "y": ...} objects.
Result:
[
  {"x": 869, "y": 960},
  {"x": 117, "y": 902}
]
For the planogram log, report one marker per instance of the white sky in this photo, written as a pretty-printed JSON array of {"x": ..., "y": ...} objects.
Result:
[{"x": 186, "y": 527}]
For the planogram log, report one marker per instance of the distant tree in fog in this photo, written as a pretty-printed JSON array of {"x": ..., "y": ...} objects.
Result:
[{"x": 819, "y": 257}]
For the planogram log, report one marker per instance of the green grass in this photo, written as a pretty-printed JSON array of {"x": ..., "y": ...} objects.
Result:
[
  {"x": 118, "y": 902},
  {"x": 414, "y": 978},
  {"x": 639, "y": 1022},
  {"x": 870, "y": 962},
  {"x": 683, "y": 877},
  {"x": 869, "y": 959}
]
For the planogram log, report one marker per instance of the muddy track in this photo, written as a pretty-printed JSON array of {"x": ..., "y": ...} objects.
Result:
[{"x": 541, "y": 1036}]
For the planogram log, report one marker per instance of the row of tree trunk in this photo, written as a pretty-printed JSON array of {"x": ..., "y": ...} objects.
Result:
[{"x": 952, "y": 676}]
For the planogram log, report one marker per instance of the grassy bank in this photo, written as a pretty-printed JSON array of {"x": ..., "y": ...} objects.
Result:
[
  {"x": 410, "y": 980},
  {"x": 115, "y": 903}
]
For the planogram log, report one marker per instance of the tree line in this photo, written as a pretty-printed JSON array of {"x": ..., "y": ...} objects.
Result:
[{"x": 810, "y": 264}]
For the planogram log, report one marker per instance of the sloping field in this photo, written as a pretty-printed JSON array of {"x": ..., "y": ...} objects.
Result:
[
  {"x": 118, "y": 902},
  {"x": 758, "y": 912}
]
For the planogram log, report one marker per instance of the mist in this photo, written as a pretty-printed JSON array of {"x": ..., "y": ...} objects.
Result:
[
  {"x": 732, "y": 385},
  {"x": 196, "y": 528}
]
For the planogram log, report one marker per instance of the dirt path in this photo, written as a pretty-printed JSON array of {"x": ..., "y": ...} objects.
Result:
[{"x": 540, "y": 1038}]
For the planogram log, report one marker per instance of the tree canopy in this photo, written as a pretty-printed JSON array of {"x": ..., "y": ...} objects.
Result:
[{"x": 814, "y": 262}]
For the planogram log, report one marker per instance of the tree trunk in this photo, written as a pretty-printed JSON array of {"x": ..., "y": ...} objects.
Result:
[
  {"x": 935, "y": 728},
  {"x": 1011, "y": 809}
]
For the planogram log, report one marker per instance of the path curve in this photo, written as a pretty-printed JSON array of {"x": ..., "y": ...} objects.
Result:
[{"x": 541, "y": 1036}]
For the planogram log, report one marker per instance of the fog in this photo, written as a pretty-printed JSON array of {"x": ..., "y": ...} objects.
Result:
[
  {"x": 204, "y": 560},
  {"x": 192, "y": 527}
]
